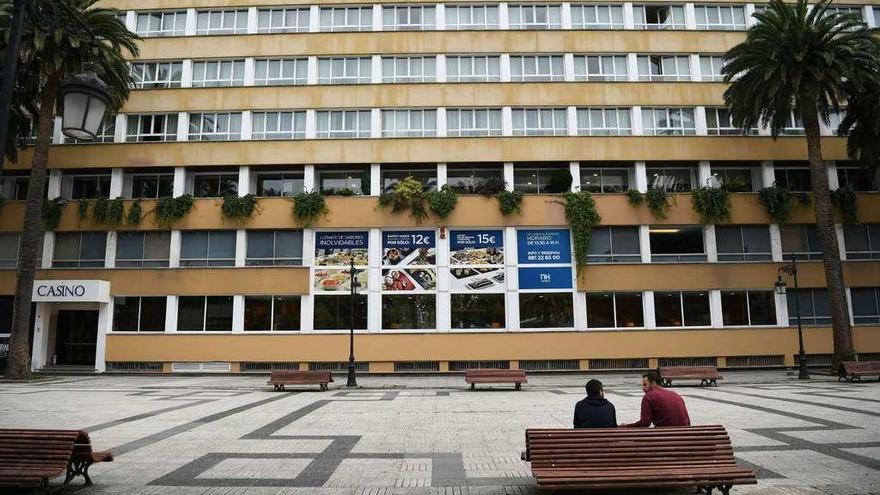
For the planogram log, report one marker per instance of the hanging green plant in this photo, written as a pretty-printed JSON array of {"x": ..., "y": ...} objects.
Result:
[
  {"x": 84, "y": 208},
  {"x": 52, "y": 210},
  {"x": 712, "y": 204},
  {"x": 442, "y": 202},
  {"x": 803, "y": 198},
  {"x": 307, "y": 207},
  {"x": 777, "y": 202},
  {"x": 2, "y": 202},
  {"x": 238, "y": 208},
  {"x": 408, "y": 194},
  {"x": 115, "y": 211},
  {"x": 489, "y": 187},
  {"x": 635, "y": 197},
  {"x": 509, "y": 202},
  {"x": 581, "y": 214},
  {"x": 135, "y": 213},
  {"x": 658, "y": 202},
  {"x": 170, "y": 210},
  {"x": 844, "y": 199}
]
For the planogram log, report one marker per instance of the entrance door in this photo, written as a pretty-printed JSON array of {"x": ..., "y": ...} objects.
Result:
[{"x": 76, "y": 337}]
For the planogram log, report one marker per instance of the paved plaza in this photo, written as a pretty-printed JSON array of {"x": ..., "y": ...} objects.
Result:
[{"x": 425, "y": 435}]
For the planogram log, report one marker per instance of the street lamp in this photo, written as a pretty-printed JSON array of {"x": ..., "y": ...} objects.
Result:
[
  {"x": 86, "y": 98},
  {"x": 352, "y": 380},
  {"x": 791, "y": 269}
]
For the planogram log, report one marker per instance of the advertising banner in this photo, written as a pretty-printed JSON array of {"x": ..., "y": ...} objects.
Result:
[
  {"x": 545, "y": 246},
  {"x": 556, "y": 277},
  {"x": 476, "y": 247},
  {"x": 338, "y": 248},
  {"x": 407, "y": 248},
  {"x": 339, "y": 280}
]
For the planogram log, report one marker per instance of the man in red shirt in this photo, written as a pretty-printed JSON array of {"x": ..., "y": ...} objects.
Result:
[{"x": 660, "y": 406}]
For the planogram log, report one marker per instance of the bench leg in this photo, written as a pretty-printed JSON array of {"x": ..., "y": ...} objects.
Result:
[
  {"x": 75, "y": 469},
  {"x": 518, "y": 386},
  {"x": 714, "y": 382},
  {"x": 473, "y": 386}
]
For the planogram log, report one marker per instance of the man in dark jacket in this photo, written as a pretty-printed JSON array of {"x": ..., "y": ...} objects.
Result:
[{"x": 595, "y": 411}]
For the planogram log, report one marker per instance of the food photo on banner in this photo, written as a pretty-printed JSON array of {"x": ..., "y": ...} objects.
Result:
[
  {"x": 409, "y": 260},
  {"x": 334, "y": 252},
  {"x": 476, "y": 260}
]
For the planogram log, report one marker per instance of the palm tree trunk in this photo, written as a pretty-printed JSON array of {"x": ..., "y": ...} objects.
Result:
[
  {"x": 19, "y": 359},
  {"x": 840, "y": 324}
]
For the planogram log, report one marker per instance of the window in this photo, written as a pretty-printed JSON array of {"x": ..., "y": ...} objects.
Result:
[
  {"x": 743, "y": 242},
  {"x": 720, "y": 17},
  {"x": 682, "y": 309},
  {"x": 540, "y": 122},
  {"x": 794, "y": 126},
  {"x": 550, "y": 310},
  {"x": 281, "y": 72},
  {"x": 392, "y": 175},
  {"x": 862, "y": 241},
  {"x": 710, "y": 68},
  {"x": 858, "y": 178},
  {"x": 410, "y": 311},
  {"x": 207, "y": 248},
  {"x": 597, "y": 16},
  {"x": 346, "y": 19},
  {"x": 79, "y": 250},
  {"x": 215, "y": 126},
  {"x": 464, "y": 68},
  {"x": 274, "y": 248},
  {"x": 271, "y": 313},
  {"x": 282, "y": 20},
  {"x": 139, "y": 314},
  {"x": 408, "y": 17},
  {"x": 659, "y": 16},
  {"x": 14, "y": 185},
  {"x": 615, "y": 245},
  {"x": 793, "y": 177},
  {"x": 204, "y": 314},
  {"x": 748, "y": 307},
  {"x": 215, "y": 184},
  {"x": 603, "y": 121},
  {"x": 344, "y": 182},
  {"x": 526, "y": 68},
  {"x": 91, "y": 186},
  {"x": 341, "y": 124},
  {"x": 473, "y": 311},
  {"x": 151, "y": 127},
  {"x": 608, "y": 178},
  {"x": 154, "y": 24},
  {"x": 334, "y": 312},
  {"x": 541, "y": 180},
  {"x": 352, "y": 70},
  {"x": 217, "y": 73},
  {"x": 463, "y": 122},
  {"x": 409, "y": 123},
  {"x": 668, "y": 121},
  {"x": 664, "y": 68},
  {"x": 535, "y": 16},
  {"x": 719, "y": 123},
  {"x": 671, "y": 179},
  {"x": 865, "y": 305},
  {"x": 801, "y": 242},
  {"x": 280, "y": 183},
  {"x": 733, "y": 178},
  {"x": 9, "y": 249},
  {"x": 459, "y": 17},
  {"x": 615, "y": 310},
  {"x": 844, "y": 9},
  {"x": 151, "y": 186},
  {"x": 600, "y": 68},
  {"x": 814, "y": 306},
  {"x": 142, "y": 249},
  {"x": 677, "y": 244},
  {"x": 408, "y": 69},
  {"x": 279, "y": 125},
  {"x": 106, "y": 133},
  {"x": 475, "y": 180},
  {"x": 149, "y": 75},
  {"x": 221, "y": 22}
]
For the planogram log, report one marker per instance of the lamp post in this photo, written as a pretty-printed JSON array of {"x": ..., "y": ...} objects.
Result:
[
  {"x": 791, "y": 269},
  {"x": 352, "y": 380},
  {"x": 86, "y": 98}
]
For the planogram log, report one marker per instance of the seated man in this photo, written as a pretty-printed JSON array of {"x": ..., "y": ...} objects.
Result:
[
  {"x": 595, "y": 411},
  {"x": 660, "y": 406}
]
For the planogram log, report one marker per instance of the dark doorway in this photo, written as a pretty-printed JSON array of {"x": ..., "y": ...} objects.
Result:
[{"x": 76, "y": 336}]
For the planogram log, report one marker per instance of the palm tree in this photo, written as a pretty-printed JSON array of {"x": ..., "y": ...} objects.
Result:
[
  {"x": 61, "y": 38},
  {"x": 801, "y": 58},
  {"x": 861, "y": 125}
]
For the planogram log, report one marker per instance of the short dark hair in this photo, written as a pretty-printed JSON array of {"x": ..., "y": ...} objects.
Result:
[
  {"x": 652, "y": 377},
  {"x": 594, "y": 388}
]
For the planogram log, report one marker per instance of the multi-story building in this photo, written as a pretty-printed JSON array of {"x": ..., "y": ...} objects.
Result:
[{"x": 347, "y": 98}]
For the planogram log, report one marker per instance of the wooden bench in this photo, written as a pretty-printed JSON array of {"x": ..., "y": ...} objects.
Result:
[
  {"x": 30, "y": 458},
  {"x": 517, "y": 377},
  {"x": 854, "y": 370},
  {"x": 634, "y": 459},
  {"x": 708, "y": 375},
  {"x": 279, "y": 379}
]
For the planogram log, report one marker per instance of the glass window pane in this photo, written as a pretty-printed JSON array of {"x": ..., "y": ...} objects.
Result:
[
  {"x": 553, "y": 310},
  {"x": 125, "y": 314},
  {"x": 629, "y": 309},
  {"x": 477, "y": 311},
  {"x": 190, "y": 313},
  {"x": 734, "y": 308},
  {"x": 696, "y": 309},
  {"x": 286, "y": 313},
  {"x": 667, "y": 309},
  {"x": 219, "y": 313},
  {"x": 762, "y": 308},
  {"x": 600, "y": 310},
  {"x": 257, "y": 313}
]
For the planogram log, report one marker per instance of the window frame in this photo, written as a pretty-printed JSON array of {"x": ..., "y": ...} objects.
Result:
[
  {"x": 178, "y": 23},
  {"x": 681, "y": 308},
  {"x": 520, "y": 65},
  {"x": 488, "y": 62},
  {"x": 297, "y": 125},
  {"x": 604, "y": 129},
  {"x": 239, "y": 16},
  {"x": 428, "y": 117},
  {"x": 682, "y": 257},
  {"x": 140, "y": 304},
  {"x": 579, "y": 14},
  {"x": 617, "y": 62},
  {"x": 457, "y": 9},
  {"x": 208, "y": 261},
  {"x": 361, "y": 118},
  {"x": 520, "y": 117},
  {"x": 616, "y": 258},
  {"x": 657, "y": 68},
  {"x": 735, "y": 24},
  {"x": 273, "y": 300},
  {"x": 268, "y": 13},
  {"x": 615, "y": 315},
  {"x": 275, "y": 260},
  {"x": 204, "y": 328},
  {"x": 265, "y": 74},
  {"x": 675, "y": 11},
  {"x": 334, "y": 26},
  {"x": 749, "y": 320},
  {"x": 142, "y": 262},
  {"x": 743, "y": 256},
  {"x": 169, "y": 125},
  {"x": 215, "y": 126},
  {"x": 528, "y": 16},
  {"x": 391, "y": 76},
  {"x": 427, "y": 17},
  {"x": 79, "y": 262},
  {"x": 474, "y": 130},
  {"x": 139, "y": 69},
  {"x": 657, "y": 115},
  {"x": 873, "y": 252},
  {"x": 202, "y": 69},
  {"x": 7, "y": 263}
]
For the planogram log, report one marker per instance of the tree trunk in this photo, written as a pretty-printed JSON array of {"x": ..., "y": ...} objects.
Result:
[
  {"x": 840, "y": 324},
  {"x": 19, "y": 359}
]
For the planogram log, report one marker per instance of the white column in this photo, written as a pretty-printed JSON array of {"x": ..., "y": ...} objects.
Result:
[
  {"x": 505, "y": 67},
  {"x": 314, "y": 19},
  {"x": 54, "y": 184},
  {"x": 440, "y": 17},
  {"x": 565, "y": 14},
  {"x": 580, "y": 310},
  {"x": 441, "y": 177},
  {"x": 249, "y": 67},
  {"x": 568, "y": 62},
  {"x": 308, "y": 182},
  {"x": 441, "y": 122},
  {"x": 48, "y": 250},
  {"x": 120, "y": 130},
  {"x": 690, "y": 17},
  {"x": 307, "y": 302},
  {"x": 503, "y": 18},
  {"x": 190, "y": 29},
  {"x": 186, "y": 73},
  {"x": 116, "y": 178},
  {"x": 311, "y": 123},
  {"x": 641, "y": 177},
  {"x": 506, "y": 121},
  {"x": 179, "y": 185},
  {"x": 648, "y": 309},
  {"x": 637, "y": 121},
  {"x": 511, "y": 296},
  {"x": 238, "y": 314},
  {"x": 105, "y": 324},
  {"x": 645, "y": 243},
  {"x": 704, "y": 173},
  {"x": 244, "y": 180},
  {"x": 131, "y": 20},
  {"x": 628, "y": 16},
  {"x": 833, "y": 178},
  {"x": 781, "y": 309},
  {"x": 768, "y": 174},
  {"x": 716, "y": 314},
  {"x": 632, "y": 67},
  {"x": 312, "y": 70},
  {"x": 170, "y": 314},
  {"x": 252, "y": 20},
  {"x": 174, "y": 250},
  {"x": 240, "y": 247},
  {"x": 575, "y": 169},
  {"x": 571, "y": 120},
  {"x": 710, "y": 244},
  {"x": 750, "y": 11},
  {"x": 700, "y": 121},
  {"x": 868, "y": 14},
  {"x": 182, "y": 126},
  {"x": 374, "y": 297},
  {"x": 247, "y": 123},
  {"x": 508, "y": 184},
  {"x": 444, "y": 303},
  {"x": 375, "y": 123},
  {"x": 694, "y": 63},
  {"x": 110, "y": 249},
  {"x": 841, "y": 245},
  {"x": 376, "y": 69},
  {"x": 57, "y": 135},
  {"x": 377, "y": 17},
  {"x": 440, "y": 67},
  {"x": 376, "y": 185},
  {"x": 41, "y": 336},
  {"x": 775, "y": 242}
]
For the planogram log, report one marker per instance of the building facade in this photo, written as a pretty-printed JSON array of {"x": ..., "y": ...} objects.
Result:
[{"x": 272, "y": 99}]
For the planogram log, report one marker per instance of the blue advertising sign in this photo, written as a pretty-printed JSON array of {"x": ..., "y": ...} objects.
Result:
[
  {"x": 341, "y": 240},
  {"x": 475, "y": 239},
  {"x": 557, "y": 277},
  {"x": 543, "y": 246},
  {"x": 408, "y": 239}
]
